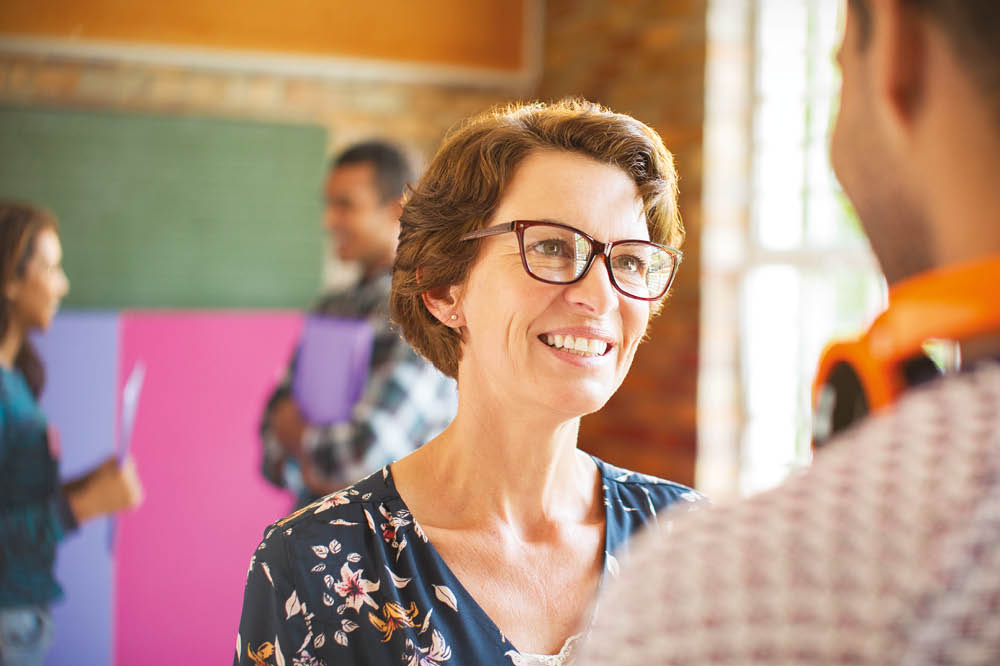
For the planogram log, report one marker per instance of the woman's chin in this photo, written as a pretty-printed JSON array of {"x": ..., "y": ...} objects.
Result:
[
  {"x": 579, "y": 402},
  {"x": 45, "y": 322}
]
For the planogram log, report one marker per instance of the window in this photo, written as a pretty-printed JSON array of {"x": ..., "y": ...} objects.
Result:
[{"x": 786, "y": 267}]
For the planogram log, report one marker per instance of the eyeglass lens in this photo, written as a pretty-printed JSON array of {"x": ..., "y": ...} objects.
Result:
[{"x": 560, "y": 255}]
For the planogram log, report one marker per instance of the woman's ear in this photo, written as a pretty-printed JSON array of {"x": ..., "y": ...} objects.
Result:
[{"x": 443, "y": 302}]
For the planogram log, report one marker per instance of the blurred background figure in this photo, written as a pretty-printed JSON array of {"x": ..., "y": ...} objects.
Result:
[
  {"x": 405, "y": 401},
  {"x": 887, "y": 550},
  {"x": 36, "y": 512}
]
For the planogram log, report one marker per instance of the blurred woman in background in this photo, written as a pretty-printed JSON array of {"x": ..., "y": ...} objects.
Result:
[{"x": 36, "y": 512}]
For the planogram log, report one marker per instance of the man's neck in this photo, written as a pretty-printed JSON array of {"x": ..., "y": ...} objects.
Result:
[
  {"x": 981, "y": 348},
  {"x": 370, "y": 271}
]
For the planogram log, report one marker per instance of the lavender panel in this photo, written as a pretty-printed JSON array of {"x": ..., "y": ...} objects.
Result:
[{"x": 80, "y": 352}]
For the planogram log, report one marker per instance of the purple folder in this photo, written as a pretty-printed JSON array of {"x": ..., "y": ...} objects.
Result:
[{"x": 332, "y": 367}]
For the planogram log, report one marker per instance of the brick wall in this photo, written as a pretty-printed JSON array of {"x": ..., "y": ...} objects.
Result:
[
  {"x": 645, "y": 58},
  {"x": 416, "y": 115}
]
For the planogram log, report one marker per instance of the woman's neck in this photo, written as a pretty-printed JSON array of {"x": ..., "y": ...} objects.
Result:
[
  {"x": 10, "y": 346},
  {"x": 501, "y": 468}
]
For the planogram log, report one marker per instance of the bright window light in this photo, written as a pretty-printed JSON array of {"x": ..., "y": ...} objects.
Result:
[{"x": 789, "y": 255}]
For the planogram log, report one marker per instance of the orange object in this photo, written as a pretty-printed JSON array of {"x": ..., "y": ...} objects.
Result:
[{"x": 867, "y": 374}]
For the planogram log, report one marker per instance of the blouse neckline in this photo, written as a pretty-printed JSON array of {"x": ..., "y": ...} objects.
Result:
[{"x": 480, "y": 615}]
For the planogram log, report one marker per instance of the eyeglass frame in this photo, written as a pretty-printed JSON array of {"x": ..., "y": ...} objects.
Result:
[{"x": 596, "y": 247}]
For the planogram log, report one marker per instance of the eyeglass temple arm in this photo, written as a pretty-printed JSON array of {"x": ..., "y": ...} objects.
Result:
[{"x": 495, "y": 230}]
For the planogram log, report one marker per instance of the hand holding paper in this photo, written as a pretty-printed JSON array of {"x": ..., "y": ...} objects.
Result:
[{"x": 109, "y": 487}]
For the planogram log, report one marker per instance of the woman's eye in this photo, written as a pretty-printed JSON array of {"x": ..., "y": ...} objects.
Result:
[
  {"x": 550, "y": 248},
  {"x": 630, "y": 263}
]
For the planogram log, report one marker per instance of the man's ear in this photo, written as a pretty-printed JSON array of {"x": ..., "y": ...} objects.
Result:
[
  {"x": 899, "y": 43},
  {"x": 444, "y": 304}
]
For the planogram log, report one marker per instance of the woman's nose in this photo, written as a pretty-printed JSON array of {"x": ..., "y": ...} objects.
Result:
[{"x": 594, "y": 291}]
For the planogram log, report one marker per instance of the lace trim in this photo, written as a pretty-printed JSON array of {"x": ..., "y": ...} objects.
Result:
[{"x": 565, "y": 657}]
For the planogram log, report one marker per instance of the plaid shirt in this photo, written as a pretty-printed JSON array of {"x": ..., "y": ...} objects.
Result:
[
  {"x": 886, "y": 551},
  {"x": 406, "y": 401}
]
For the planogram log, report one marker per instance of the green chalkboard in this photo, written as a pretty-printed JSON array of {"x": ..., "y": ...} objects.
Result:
[{"x": 180, "y": 212}]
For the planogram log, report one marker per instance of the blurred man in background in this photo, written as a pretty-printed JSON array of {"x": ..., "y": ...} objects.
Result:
[
  {"x": 405, "y": 401},
  {"x": 886, "y": 551}
]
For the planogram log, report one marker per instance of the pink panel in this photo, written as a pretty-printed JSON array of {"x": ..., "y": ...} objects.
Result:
[{"x": 182, "y": 557}]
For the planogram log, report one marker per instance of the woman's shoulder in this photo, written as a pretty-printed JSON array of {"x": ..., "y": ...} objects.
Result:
[
  {"x": 629, "y": 484},
  {"x": 350, "y": 513},
  {"x": 634, "y": 500}
]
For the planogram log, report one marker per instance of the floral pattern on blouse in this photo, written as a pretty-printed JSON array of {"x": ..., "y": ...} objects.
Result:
[{"x": 353, "y": 579}]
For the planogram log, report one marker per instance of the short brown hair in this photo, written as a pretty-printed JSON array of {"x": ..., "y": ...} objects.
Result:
[{"x": 466, "y": 180}]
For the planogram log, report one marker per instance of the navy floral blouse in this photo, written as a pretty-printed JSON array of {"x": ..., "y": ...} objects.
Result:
[{"x": 353, "y": 579}]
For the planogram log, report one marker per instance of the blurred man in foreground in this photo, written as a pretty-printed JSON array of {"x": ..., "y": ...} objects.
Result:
[{"x": 887, "y": 551}]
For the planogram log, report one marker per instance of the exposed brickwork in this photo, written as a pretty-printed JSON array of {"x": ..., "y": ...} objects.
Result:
[
  {"x": 417, "y": 115},
  {"x": 645, "y": 58}
]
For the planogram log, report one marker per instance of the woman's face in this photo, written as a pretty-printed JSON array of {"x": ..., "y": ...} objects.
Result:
[
  {"x": 510, "y": 318},
  {"x": 35, "y": 296}
]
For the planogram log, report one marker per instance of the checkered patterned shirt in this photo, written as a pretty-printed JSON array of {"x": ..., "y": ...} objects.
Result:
[
  {"x": 886, "y": 551},
  {"x": 405, "y": 402}
]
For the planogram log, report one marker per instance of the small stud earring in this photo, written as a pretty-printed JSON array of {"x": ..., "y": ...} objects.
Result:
[{"x": 454, "y": 317}]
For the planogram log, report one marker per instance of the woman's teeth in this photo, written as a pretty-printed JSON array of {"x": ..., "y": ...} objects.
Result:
[{"x": 581, "y": 346}]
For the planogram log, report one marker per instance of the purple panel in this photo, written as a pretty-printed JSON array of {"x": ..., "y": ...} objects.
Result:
[
  {"x": 80, "y": 352},
  {"x": 332, "y": 369}
]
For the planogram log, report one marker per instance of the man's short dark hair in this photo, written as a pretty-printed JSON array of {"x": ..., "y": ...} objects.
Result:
[
  {"x": 972, "y": 27},
  {"x": 393, "y": 171}
]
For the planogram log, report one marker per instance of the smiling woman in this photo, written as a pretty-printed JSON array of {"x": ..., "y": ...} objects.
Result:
[{"x": 531, "y": 257}]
